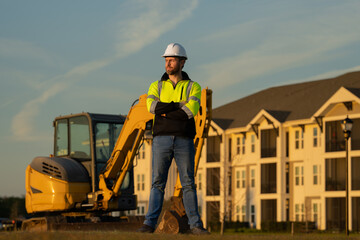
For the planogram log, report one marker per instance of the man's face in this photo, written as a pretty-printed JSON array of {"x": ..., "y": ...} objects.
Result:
[{"x": 173, "y": 65}]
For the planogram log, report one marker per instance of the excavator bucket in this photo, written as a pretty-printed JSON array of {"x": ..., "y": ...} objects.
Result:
[{"x": 174, "y": 220}]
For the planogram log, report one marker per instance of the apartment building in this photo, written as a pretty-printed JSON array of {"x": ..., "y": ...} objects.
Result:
[{"x": 277, "y": 155}]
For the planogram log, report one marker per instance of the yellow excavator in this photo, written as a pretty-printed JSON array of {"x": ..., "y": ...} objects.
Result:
[{"x": 90, "y": 173}]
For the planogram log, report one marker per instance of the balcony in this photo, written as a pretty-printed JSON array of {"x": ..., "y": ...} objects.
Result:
[
  {"x": 268, "y": 178},
  {"x": 335, "y": 169},
  {"x": 268, "y": 143},
  {"x": 268, "y": 152},
  {"x": 213, "y": 149},
  {"x": 334, "y": 136}
]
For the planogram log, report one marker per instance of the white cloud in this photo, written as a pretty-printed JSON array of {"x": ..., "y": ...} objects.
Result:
[
  {"x": 12, "y": 48},
  {"x": 281, "y": 43},
  {"x": 134, "y": 33},
  {"x": 159, "y": 18},
  {"x": 23, "y": 122}
]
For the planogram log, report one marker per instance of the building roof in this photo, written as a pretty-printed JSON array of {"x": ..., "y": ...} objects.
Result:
[{"x": 285, "y": 103}]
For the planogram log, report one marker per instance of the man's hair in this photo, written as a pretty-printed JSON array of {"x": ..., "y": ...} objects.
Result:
[{"x": 182, "y": 58}]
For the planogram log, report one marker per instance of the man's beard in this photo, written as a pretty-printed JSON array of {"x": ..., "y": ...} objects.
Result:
[{"x": 173, "y": 71}]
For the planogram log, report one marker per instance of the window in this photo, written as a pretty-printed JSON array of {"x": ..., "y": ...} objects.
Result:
[
  {"x": 238, "y": 145},
  {"x": 230, "y": 149},
  {"x": 316, "y": 174},
  {"x": 238, "y": 213},
  {"x": 73, "y": 138},
  {"x": 315, "y": 213},
  {"x": 199, "y": 182},
  {"x": 268, "y": 178},
  {"x": 268, "y": 143},
  {"x": 287, "y": 209},
  {"x": 287, "y": 177},
  {"x": 105, "y": 137},
  {"x": 243, "y": 144},
  {"x": 299, "y": 175},
  {"x": 268, "y": 210},
  {"x": 355, "y": 134},
  {"x": 141, "y": 182},
  {"x": 252, "y": 178},
  {"x": 335, "y": 213},
  {"x": 237, "y": 179},
  {"x": 141, "y": 154},
  {"x": 230, "y": 183},
  {"x": 212, "y": 211},
  {"x": 243, "y": 213},
  {"x": 287, "y": 143},
  {"x": 79, "y": 138},
  {"x": 334, "y": 137},
  {"x": 335, "y": 170},
  {"x": 213, "y": 149},
  {"x": 356, "y": 214},
  {"x": 140, "y": 210},
  {"x": 316, "y": 137},
  {"x": 252, "y": 213},
  {"x": 297, "y": 213},
  {"x": 61, "y": 139},
  {"x": 212, "y": 181},
  {"x": 243, "y": 179},
  {"x": 138, "y": 182},
  {"x": 299, "y": 139},
  {"x": 302, "y": 212},
  {"x": 355, "y": 176},
  {"x": 253, "y": 143},
  {"x": 302, "y": 175}
]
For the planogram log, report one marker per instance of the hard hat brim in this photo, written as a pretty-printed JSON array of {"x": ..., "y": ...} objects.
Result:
[{"x": 164, "y": 56}]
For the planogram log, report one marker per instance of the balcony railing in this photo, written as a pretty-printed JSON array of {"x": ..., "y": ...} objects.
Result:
[
  {"x": 335, "y": 145},
  {"x": 355, "y": 143},
  {"x": 268, "y": 187},
  {"x": 268, "y": 152},
  {"x": 335, "y": 185},
  {"x": 213, "y": 157}
]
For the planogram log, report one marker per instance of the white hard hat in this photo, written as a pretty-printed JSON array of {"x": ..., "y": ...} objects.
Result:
[{"x": 175, "y": 50}]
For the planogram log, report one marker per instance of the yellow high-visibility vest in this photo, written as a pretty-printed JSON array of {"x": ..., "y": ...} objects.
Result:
[{"x": 186, "y": 91}]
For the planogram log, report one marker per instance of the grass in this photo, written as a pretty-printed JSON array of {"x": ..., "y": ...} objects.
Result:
[{"x": 117, "y": 235}]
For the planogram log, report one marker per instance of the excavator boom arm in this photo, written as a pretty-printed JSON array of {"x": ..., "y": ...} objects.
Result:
[
  {"x": 124, "y": 152},
  {"x": 137, "y": 121},
  {"x": 202, "y": 124}
]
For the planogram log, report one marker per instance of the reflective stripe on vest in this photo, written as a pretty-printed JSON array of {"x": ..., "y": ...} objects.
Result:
[
  {"x": 159, "y": 87},
  {"x": 188, "y": 90}
]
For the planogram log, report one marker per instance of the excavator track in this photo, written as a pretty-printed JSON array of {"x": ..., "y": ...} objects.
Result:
[{"x": 58, "y": 223}]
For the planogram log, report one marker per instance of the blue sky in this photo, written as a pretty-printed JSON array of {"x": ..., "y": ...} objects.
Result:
[{"x": 62, "y": 57}]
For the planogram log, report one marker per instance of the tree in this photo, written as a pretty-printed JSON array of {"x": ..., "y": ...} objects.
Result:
[{"x": 12, "y": 207}]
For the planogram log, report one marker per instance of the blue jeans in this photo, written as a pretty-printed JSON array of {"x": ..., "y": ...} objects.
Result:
[{"x": 164, "y": 149}]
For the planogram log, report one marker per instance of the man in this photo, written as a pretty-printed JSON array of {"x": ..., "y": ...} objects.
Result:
[{"x": 174, "y": 100}]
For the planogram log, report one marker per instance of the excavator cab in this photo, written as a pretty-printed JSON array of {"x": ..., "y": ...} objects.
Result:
[
  {"x": 89, "y": 139},
  {"x": 83, "y": 144}
]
